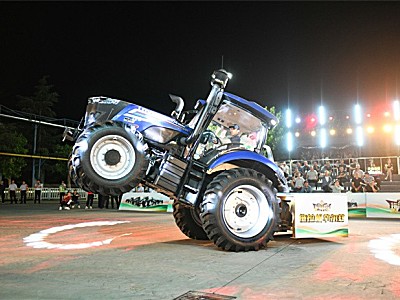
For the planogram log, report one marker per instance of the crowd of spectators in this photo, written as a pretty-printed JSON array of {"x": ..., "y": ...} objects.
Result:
[{"x": 329, "y": 177}]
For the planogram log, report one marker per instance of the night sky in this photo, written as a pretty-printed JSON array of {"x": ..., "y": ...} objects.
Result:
[{"x": 279, "y": 52}]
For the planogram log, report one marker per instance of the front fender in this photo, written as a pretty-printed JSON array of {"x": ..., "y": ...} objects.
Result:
[{"x": 247, "y": 159}]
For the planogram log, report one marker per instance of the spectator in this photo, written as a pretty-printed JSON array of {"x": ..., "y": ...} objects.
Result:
[
  {"x": 352, "y": 166},
  {"x": 305, "y": 168},
  {"x": 359, "y": 171},
  {"x": 285, "y": 169},
  {"x": 62, "y": 188},
  {"x": 2, "y": 191},
  {"x": 12, "y": 189},
  {"x": 140, "y": 188},
  {"x": 327, "y": 167},
  {"x": 38, "y": 191},
  {"x": 24, "y": 189},
  {"x": 343, "y": 177},
  {"x": 368, "y": 178},
  {"x": 66, "y": 202},
  {"x": 306, "y": 188},
  {"x": 316, "y": 166},
  {"x": 371, "y": 186},
  {"x": 114, "y": 199},
  {"x": 89, "y": 200},
  {"x": 343, "y": 165},
  {"x": 108, "y": 199},
  {"x": 75, "y": 199},
  {"x": 356, "y": 183},
  {"x": 325, "y": 182},
  {"x": 336, "y": 187},
  {"x": 297, "y": 182},
  {"x": 312, "y": 177},
  {"x": 100, "y": 201},
  {"x": 389, "y": 170},
  {"x": 299, "y": 168}
]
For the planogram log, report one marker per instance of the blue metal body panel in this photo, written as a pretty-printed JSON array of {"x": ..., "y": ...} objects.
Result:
[{"x": 143, "y": 118}]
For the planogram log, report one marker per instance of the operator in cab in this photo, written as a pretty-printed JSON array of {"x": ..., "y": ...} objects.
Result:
[{"x": 234, "y": 130}]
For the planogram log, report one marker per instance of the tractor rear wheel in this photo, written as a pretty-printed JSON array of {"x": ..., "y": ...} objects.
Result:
[
  {"x": 240, "y": 210},
  {"x": 188, "y": 220}
]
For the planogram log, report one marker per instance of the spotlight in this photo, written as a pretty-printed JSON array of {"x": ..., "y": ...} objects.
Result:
[
  {"x": 347, "y": 117},
  {"x": 331, "y": 118},
  {"x": 321, "y": 115},
  {"x": 387, "y": 128},
  {"x": 349, "y": 130},
  {"x": 297, "y": 134},
  {"x": 368, "y": 115},
  {"x": 370, "y": 129},
  {"x": 313, "y": 133},
  {"x": 298, "y": 120},
  {"x": 357, "y": 114},
  {"x": 332, "y": 132},
  {"x": 386, "y": 114}
]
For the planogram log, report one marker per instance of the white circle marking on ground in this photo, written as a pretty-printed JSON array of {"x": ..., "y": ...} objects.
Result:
[
  {"x": 37, "y": 240},
  {"x": 383, "y": 248}
]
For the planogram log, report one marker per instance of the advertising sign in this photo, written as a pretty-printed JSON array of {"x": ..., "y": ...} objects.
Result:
[
  {"x": 320, "y": 215},
  {"x": 356, "y": 203},
  {"x": 383, "y": 205},
  {"x": 146, "y": 201}
]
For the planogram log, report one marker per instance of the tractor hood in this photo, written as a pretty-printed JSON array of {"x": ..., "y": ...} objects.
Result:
[{"x": 153, "y": 125}]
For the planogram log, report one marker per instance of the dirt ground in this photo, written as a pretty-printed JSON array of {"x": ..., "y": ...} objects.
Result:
[{"x": 110, "y": 254}]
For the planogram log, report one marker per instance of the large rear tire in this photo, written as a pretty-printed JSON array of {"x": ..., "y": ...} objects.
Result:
[
  {"x": 240, "y": 210},
  {"x": 188, "y": 220},
  {"x": 107, "y": 159}
]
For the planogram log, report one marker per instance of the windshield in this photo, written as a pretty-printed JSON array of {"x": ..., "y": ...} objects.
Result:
[{"x": 232, "y": 127}]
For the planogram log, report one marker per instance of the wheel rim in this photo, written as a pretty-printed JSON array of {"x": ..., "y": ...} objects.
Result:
[
  {"x": 246, "y": 211},
  {"x": 112, "y": 157}
]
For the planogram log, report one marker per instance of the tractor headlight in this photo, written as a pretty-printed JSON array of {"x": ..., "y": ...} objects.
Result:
[{"x": 159, "y": 134}]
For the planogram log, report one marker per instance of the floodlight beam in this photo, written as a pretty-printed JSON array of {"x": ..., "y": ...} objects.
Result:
[
  {"x": 322, "y": 115},
  {"x": 288, "y": 118}
]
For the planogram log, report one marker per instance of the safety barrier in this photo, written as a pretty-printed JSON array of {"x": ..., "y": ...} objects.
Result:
[{"x": 47, "y": 194}]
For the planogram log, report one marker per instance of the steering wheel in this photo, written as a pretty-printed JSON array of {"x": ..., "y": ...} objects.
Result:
[{"x": 214, "y": 139}]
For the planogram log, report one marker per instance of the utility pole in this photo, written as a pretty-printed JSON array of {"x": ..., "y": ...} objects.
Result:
[{"x": 34, "y": 152}]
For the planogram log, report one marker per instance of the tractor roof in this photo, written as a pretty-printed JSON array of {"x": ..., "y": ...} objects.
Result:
[{"x": 253, "y": 107}]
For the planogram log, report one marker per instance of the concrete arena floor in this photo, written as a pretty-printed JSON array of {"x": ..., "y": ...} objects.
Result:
[{"x": 147, "y": 257}]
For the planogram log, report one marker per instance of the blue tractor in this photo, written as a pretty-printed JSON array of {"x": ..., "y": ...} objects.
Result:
[{"x": 209, "y": 160}]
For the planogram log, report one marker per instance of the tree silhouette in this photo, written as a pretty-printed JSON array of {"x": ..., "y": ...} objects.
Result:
[
  {"x": 42, "y": 101},
  {"x": 275, "y": 135},
  {"x": 12, "y": 142}
]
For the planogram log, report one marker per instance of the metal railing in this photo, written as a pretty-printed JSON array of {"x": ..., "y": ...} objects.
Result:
[{"x": 46, "y": 194}]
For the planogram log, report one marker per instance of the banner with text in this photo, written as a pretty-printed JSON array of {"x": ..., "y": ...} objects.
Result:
[
  {"x": 320, "y": 215},
  {"x": 383, "y": 205},
  {"x": 146, "y": 201}
]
